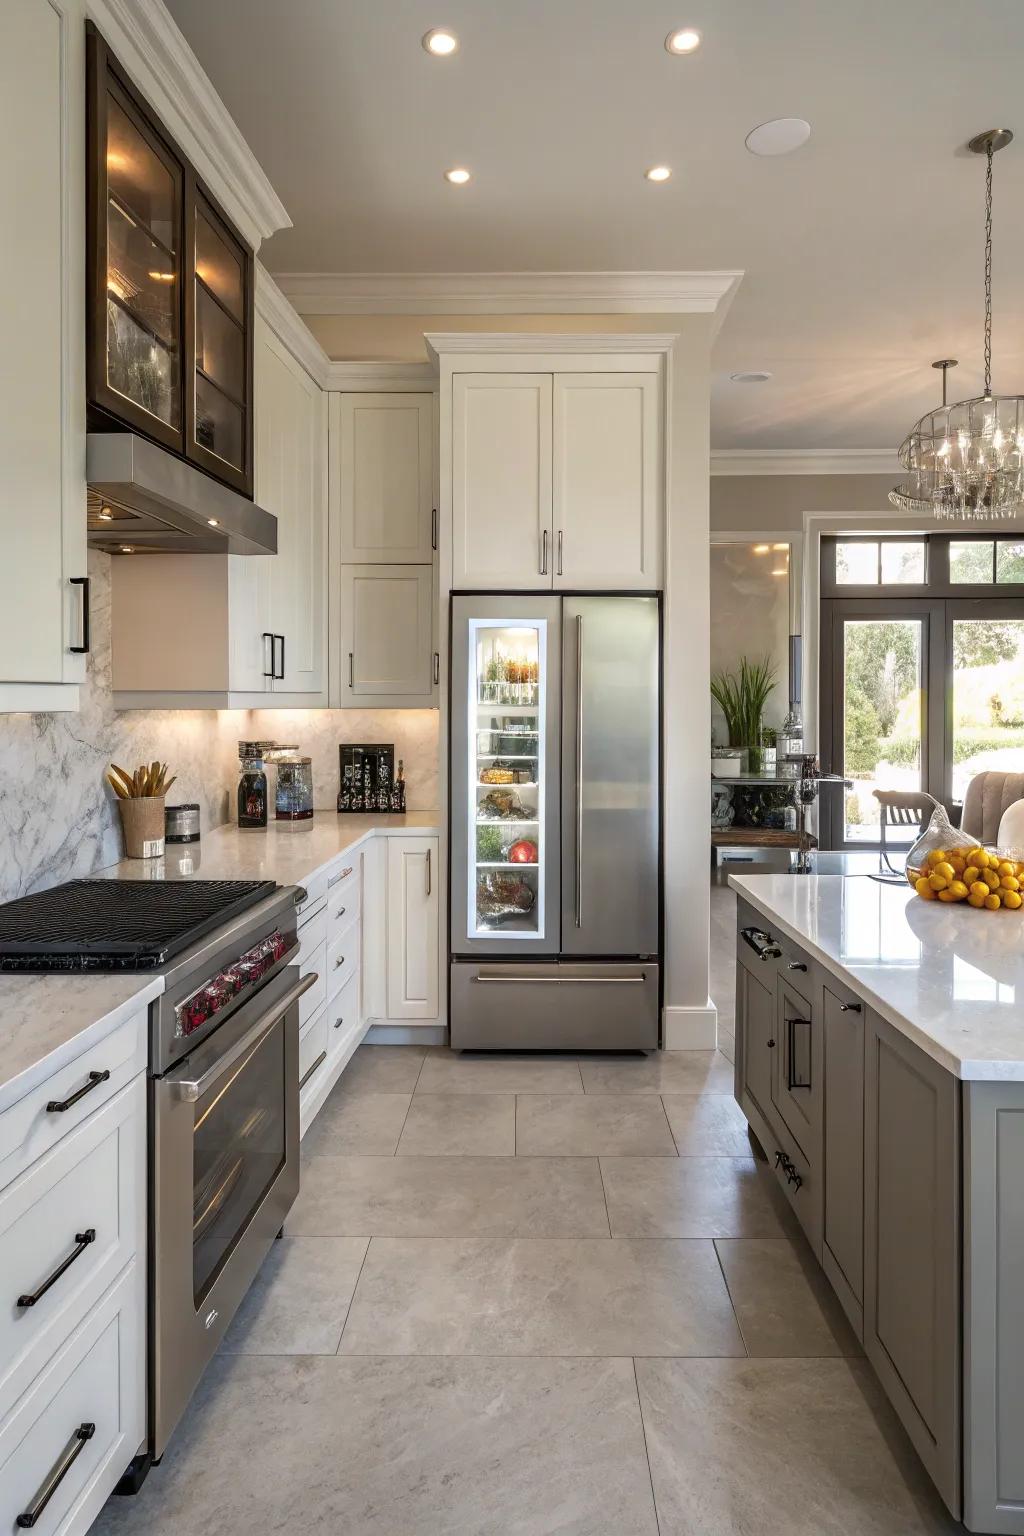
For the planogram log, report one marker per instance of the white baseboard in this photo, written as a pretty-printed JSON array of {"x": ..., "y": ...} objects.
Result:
[{"x": 692, "y": 1028}]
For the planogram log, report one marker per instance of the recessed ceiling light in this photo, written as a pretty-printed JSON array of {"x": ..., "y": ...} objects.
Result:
[
  {"x": 441, "y": 42},
  {"x": 779, "y": 137},
  {"x": 127, "y": 549},
  {"x": 755, "y": 376},
  {"x": 683, "y": 40},
  {"x": 659, "y": 173},
  {"x": 214, "y": 522},
  {"x": 105, "y": 515},
  {"x": 458, "y": 176}
]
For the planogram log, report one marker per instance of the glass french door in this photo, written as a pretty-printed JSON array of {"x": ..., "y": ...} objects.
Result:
[
  {"x": 984, "y": 643},
  {"x": 505, "y": 775}
]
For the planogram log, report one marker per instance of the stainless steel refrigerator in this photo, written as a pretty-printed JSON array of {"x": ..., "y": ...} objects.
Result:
[{"x": 555, "y": 775}]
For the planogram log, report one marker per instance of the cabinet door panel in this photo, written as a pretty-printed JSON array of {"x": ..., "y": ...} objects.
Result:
[
  {"x": 755, "y": 1030},
  {"x": 912, "y": 1245},
  {"x": 606, "y": 505},
  {"x": 387, "y": 634},
  {"x": 501, "y": 480},
  {"x": 844, "y": 1138},
  {"x": 412, "y": 932},
  {"x": 797, "y": 1087},
  {"x": 385, "y": 470}
]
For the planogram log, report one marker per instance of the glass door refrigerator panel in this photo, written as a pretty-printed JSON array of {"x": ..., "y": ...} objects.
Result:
[{"x": 505, "y": 776}]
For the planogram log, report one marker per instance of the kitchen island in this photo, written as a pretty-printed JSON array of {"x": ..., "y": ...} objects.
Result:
[{"x": 880, "y": 1065}]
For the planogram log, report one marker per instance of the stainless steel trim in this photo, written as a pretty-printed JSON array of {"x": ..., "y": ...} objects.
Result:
[
  {"x": 544, "y": 553},
  {"x": 579, "y": 770},
  {"x": 351, "y": 669},
  {"x": 566, "y": 981},
  {"x": 429, "y": 880},
  {"x": 304, "y": 1079},
  {"x": 558, "y": 567},
  {"x": 190, "y": 1089}
]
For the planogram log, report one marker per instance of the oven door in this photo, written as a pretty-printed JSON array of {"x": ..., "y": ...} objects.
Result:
[{"x": 225, "y": 1171}]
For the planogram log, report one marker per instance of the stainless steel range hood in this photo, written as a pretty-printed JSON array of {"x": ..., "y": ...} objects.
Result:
[{"x": 143, "y": 498}]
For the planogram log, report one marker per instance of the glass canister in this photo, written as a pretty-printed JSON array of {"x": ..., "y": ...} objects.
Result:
[
  {"x": 293, "y": 800},
  {"x": 252, "y": 787}
]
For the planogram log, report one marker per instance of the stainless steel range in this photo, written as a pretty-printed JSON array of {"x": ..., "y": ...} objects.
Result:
[{"x": 223, "y": 1089}]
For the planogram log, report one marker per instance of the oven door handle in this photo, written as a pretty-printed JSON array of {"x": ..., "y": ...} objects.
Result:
[{"x": 190, "y": 1089}]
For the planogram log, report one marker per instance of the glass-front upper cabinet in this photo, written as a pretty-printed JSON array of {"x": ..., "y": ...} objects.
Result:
[{"x": 169, "y": 316}]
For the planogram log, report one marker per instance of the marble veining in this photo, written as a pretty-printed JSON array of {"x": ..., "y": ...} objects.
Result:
[{"x": 949, "y": 978}]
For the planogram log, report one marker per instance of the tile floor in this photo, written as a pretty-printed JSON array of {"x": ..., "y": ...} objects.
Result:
[{"x": 528, "y": 1296}]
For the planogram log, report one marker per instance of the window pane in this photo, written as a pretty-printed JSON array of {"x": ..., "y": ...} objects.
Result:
[
  {"x": 971, "y": 561},
  {"x": 1009, "y": 560},
  {"x": 988, "y": 698},
  {"x": 903, "y": 563},
  {"x": 881, "y": 720},
  {"x": 857, "y": 563}
]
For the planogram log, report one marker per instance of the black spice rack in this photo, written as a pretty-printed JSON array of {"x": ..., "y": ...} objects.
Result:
[{"x": 369, "y": 784}]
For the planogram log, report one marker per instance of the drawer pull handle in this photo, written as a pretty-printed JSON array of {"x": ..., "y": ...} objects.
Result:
[
  {"x": 797, "y": 965},
  {"x": 771, "y": 1045},
  {"x": 763, "y": 945},
  {"x": 68, "y": 1457},
  {"x": 339, "y": 962},
  {"x": 849, "y": 1007},
  {"x": 58, "y": 1106},
  {"x": 82, "y": 1241},
  {"x": 338, "y": 1023},
  {"x": 342, "y": 874},
  {"x": 341, "y": 912},
  {"x": 304, "y": 1079},
  {"x": 789, "y": 1169}
]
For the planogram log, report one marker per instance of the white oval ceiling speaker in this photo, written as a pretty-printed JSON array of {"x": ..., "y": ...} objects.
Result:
[
  {"x": 755, "y": 376},
  {"x": 779, "y": 137}
]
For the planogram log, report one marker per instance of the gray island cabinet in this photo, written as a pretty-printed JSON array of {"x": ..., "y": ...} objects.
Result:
[{"x": 907, "y": 1180}]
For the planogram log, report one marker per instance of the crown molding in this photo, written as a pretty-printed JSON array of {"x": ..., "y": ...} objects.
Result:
[
  {"x": 805, "y": 461},
  {"x": 544, "y": 342},
  {"x": 508, "y": 293},
  {"x": 147, "y": 42},
  {"x": 382, "y": 378},
  {"x": 274, "y": 308}
]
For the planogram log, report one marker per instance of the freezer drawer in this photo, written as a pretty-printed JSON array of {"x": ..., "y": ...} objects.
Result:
[{"x": 554, "y": 1006}]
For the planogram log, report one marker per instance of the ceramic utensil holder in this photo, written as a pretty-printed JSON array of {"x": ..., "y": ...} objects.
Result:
[{"x": 142, "y": 821}]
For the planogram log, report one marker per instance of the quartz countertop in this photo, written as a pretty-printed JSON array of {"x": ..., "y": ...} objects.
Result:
[
  {"x": 46, "y": 1021},
  {"x": 948, "y": 977}
]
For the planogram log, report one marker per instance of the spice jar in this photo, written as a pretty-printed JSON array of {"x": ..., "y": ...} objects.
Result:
[
  {"x": 293, "y": 800},
  {"x": 252, "y": 787}
]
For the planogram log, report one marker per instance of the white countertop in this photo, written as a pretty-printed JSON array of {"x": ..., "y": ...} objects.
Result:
[
  {"x": 948, "y": 977},
  {"x": 46, "y": 1021}
]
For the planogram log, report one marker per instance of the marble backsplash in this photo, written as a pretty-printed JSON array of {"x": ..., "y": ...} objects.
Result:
[{"x": 58, "y": 816}]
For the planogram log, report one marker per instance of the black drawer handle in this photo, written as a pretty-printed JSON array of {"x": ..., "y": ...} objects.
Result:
[
  {"x": 339, "y": 1022},
  {"x": 82, "y": 1241},
  {"x": 763, "y": 945},
  {"x": 797, "y": 965},
  {"x": 792, "y": 1079},
  {"x": 771, "y": 1045},
  {"x": 58, "y": 1106},
  {"x": 83, "y": 582},
  {"x": 849, "y": 1007},
  {"x": 68, "y": 1457},
  {"x": 304, "y": 1079}
]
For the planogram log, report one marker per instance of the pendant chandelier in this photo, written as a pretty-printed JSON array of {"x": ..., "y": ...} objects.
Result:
[{"x": 965, "y": 462}]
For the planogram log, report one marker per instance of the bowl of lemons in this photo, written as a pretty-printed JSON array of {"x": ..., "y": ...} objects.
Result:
[{"x": 990, "y": 879}]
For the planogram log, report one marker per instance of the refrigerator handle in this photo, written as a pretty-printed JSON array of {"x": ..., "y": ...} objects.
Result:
[{"x": 579, "y": 770}]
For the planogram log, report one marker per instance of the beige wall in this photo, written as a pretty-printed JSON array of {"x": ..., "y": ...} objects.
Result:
[
  {"x": 399, "y": 338},
  {"x": 777, "y": 503}
]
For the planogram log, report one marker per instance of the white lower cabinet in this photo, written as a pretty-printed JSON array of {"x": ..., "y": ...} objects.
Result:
[
  {"x": 413, "y": 990},
  {"x": 387, "y": 651}
]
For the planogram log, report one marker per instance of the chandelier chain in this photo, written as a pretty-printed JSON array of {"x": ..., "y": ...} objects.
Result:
[{"x": 988, "y": 272}]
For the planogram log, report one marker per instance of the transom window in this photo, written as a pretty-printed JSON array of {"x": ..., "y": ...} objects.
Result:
[
  {"x": 924, "y": 565},
  {"x": 880, "y": 562}
]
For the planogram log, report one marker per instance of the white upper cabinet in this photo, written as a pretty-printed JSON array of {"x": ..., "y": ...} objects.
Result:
[
  {"x": 606, "y": 506},
  {"x": 387, "y": 627},
  {"x": 43, "y": 595},
  {"x": 501, "y": 480},
  {"x": 385, "y": 477}
]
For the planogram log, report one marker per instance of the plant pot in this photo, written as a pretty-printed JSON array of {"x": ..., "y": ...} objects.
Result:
[
  {"x": 754, "y": 760},
  {"x": 142, "y": 822}
]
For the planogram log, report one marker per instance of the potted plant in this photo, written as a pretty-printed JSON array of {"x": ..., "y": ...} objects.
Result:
[{"x": 741, "y": 697}]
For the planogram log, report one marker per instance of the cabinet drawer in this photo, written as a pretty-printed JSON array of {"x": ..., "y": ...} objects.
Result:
[
  {"x": 796, "y": 1083},
  {"x": 28, "y": 1129},
  {"x": 843, "y": 1147},
  {"x": 798, "y": 1179},
  {"x": 312, "y": 957},
  {"x": 97, "y": 1383},
  {"x": 342, "y": 957},
  {"x": 312, "y": 1051},
  {"x": 343, "y": 895},
  {"x": 313, "y": 901},
  {"x": 344, "y": 1015},
  {"x": 68, "y": 1227},
  {"x": 310, "y": 935}
]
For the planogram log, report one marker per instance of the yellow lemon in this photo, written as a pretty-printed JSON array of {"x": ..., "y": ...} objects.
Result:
[
  {"x": 980, "y": 858},
  {"x": 991, "y": 878},
  {"x": 1012, "y": 899},
  {"x": 957, "y": 889},
  {"x": 958, "y": 865},
  {"x": 946, "y": 869},
  {"x": 936, "y": 856},
  {"x": 937, "y": 882},
  {"x": 992, "y": 902},
  {"x": 975, "y": 901},
  {"x": 970, "y": 874},
  {"x": 1010, "y": 883},
  {"x": 922, "y": 888},
  {"x": 947, "y": 895},
  {"x": 1006, "y": 868},
  {"x": 979, "y": 889}
]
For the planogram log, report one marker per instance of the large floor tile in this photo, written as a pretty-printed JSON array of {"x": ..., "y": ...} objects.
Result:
[
  {"x": 585, "y": 1125},
  {"x": 359, "y": 1124},
  {"x": 401, "y": 1448},
  {"x": 688, "y": 1197},
  {"x": 450, "y": 1197},
  {"x": 383, "y": 1069},
  {"x": 528, "y": 1297},
  {"x": 707, "y": 1125},
  {"x": 298, "y": 1302},
  {"x": 780, "y": 1448},
  {"x": 783, "y": 1302},
  {"x": 461, "y": 1124},
  {"x": 661, "y": 1072},
  {"x": 451, "y": 1072}
]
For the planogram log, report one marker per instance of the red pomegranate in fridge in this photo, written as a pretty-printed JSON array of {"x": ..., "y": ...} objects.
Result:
[{"x": 523, "y": 852}]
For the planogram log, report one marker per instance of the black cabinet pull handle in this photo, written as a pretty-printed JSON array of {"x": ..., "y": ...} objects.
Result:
[
  {"x": 351, "y": 669},
  {"x": 58, "y": 1106},
  {"x": 797, "y": 965},
  {"x": 83, "y": 582},
  {"x": 849, "y": 1007},
  {"x": 779, "y": 1157},
  {"x": 792, "y": 1177},
  {"x": 763, "y": 945},
  {"x": 433, "y": 528},
  {"x": 268, "y": 636},
  {"x": 82, "y": 1241},
  {"x": 54, "y": 1478},
  {"x": 792, "y": 1081},
  {"x": 304, "y": 1079},
  {"x": 339, "y": 1022},
  {"x": 275, "y": 674},
  {"x": 437, "y": 666},
  {"x": 771, "y": 1045}
]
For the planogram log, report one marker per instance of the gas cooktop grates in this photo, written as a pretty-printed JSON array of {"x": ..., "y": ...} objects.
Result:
[{"x": 131, "y": 925}]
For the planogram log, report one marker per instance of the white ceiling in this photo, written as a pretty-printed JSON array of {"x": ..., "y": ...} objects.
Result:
[{"x": 862, "y": 251}]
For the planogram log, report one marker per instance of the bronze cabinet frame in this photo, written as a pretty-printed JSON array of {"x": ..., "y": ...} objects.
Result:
[{"x": 103, "y": 74}]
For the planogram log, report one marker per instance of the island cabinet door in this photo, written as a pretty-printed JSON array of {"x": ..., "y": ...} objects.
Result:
[
  {"x": 755, "y": 1020},
  {"x": 842, "y": 1253},
  {"x": 912, "y": 1244},
  {"x": 797, "y": 1085}
]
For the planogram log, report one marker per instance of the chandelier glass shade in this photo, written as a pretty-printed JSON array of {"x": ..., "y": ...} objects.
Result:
[{"x": 965, "y": 462}]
